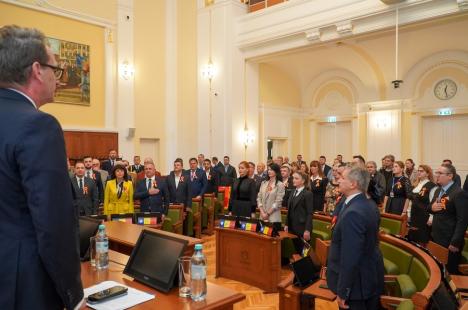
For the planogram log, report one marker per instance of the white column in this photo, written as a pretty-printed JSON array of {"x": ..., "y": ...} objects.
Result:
[
  {"x": 171, "y": 84},
  {"x": 227, "y": 96},
  {"x": 125, "y": 93}
]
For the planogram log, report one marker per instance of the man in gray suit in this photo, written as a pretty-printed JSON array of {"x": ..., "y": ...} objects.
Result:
[{"x": 85, "y": 191}]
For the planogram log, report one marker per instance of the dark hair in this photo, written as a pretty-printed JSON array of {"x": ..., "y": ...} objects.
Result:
[
  {"x": 315, "y": 163},
  {"x": 136, "y": 156},
  {"x": 361, "y": 159},
  {"x": 321, "y": 156},
  {"x": 276, "y": 168},
  {"x": 19, "y": 49},
  {"x": 451, "y": 169},
  {"x": 226, "y": 156},
  {"x": 79, "y": 162},
  {"x": 86, "y": 156},
  {"x": 193, "y": 158},
  {"x": 447, "y": 160},
  {"x": 179, "y": 160},
  {"x": 400, "y": 163},
  {"x": 112, "y": 150},
  {"x": 251, "y": 164},
  {"x": 121, "y": 167},
  {"x": 214, "y": 158},
  {"x": 207, "y": 160},
  {"x": 389, "y": 156}
]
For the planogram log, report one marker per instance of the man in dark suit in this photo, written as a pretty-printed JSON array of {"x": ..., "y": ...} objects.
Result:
[
  {"x": 450, "y": 209},
  {"x": 95, "y": 176},
  {"x": 325, "y": 168},
  {"x": 356, "y": 279},
  {"x": 212, "y": 178},
  {"x": 109, "y": 164},
  {"x": 456, "y": 178},
  {"x": 227, "y": 173},
  {"x": 465, "y": 185},
  {"x": 85, "y": 191},
  {"x": 179, "y": 185},
  {"x": 152, "y": 192},
  {"x": 261, "y": 171},
  {"x": 197, "y": 179},
  {"x": 40, "y": 262},
  {"x": 137, "y": 167},
  {"x": 258, "y": 179},
  {"x": 299, "y": 160}
]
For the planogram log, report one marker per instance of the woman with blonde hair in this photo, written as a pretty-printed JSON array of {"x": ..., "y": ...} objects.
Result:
[
  {"x": 420, "y": 201},
  {"x": 118, "y": 195},
  {"x": 396, "y": 199}
]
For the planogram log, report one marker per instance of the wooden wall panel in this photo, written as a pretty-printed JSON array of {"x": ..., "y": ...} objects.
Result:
[{"x": 96, "y": 144}]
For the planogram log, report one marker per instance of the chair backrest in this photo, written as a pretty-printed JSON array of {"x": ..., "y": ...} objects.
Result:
[
  {"x": 175, "y": 212},
  {"x": 419, "y": 273},
  {"x": 438, "y": 251},
  {"x": 321, "y": 225},
  {"x": 398, "y": 256},
  {"x": 196, "y": 205},
  {"x": 208, "y": 200},
  {"x": 393, "y": 224}
]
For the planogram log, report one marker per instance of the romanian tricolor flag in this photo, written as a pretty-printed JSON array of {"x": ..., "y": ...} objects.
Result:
[
  {"x": 147, "y": 220},
  {"x": 267, "y": 230},
  {"x": 227, "y": 195}
]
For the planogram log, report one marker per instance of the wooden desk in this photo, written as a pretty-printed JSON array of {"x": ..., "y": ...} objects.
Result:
[
  {"x": 217, "y": 296},
  {"x": 124, "y": 236},
  {"x": 460, "y": 282},
  {"x": 248, "y": 257}
]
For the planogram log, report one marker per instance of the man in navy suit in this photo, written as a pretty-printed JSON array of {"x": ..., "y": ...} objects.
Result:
[
  {"x": 109, "y": 164},
  {"x": 95, "y": 176},
  {"x": 152, "y": 192},
  {"x": 357, "y": 279},
  {"x": 179, "y": 185},
  {"x": 40, "y": 262},
  {"x": 325, "y": 168},
  {"x": 197, "y": 178},
  {"x": 212, "y": 179}
]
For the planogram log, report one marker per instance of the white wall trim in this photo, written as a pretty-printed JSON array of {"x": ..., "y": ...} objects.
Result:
[
  {"x": 90, "y": 129},
  {"x": 289, "y": 111},
  {"x": 46, "y": 7}
]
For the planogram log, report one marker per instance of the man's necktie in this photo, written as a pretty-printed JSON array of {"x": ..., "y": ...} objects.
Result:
[
  {"x": 149, "y": 184},
  {"x": 88, "y": 174},
  {"x": 80, "y": 185}
]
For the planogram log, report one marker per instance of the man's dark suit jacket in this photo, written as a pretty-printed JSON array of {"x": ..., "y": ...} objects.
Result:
[
  {"x": 107, "y": 165},
  {"x": 86, "y": 201},
  {"x": 326, "y": 170},
  {"x": 136, "y": 169},
  {"x": 465, "y": 185},
  {"x": 226, "y": 178},
  {"x": 300, "y": 210},
  {"x": 198, "y": 184},
  {"x": 449, "y": 225},
  {"x": 153, "y": 203},
  {"x": 181, "y": 194},
  {"x": 97, "y": 178},
  {"x": 212, "y": 182},
  {"x": 40, "y": 262},
  {"x": 355, "y": 268}
]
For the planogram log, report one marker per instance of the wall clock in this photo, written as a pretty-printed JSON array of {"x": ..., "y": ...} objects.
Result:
[{"x": 445, "y": 89}]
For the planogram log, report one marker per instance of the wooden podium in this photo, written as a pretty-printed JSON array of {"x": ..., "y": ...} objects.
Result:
[{"x": 249, "y": 257}]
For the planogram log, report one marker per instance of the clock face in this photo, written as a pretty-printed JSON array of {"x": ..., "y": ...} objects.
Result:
[{"x": 445, "y": 89}]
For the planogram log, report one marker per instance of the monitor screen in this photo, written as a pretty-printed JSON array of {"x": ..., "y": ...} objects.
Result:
[
  {"x": 88, "y": 228},
  {"x": 154, "y": 260}
]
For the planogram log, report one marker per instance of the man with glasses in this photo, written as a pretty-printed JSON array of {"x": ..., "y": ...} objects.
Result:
[
  {"x": 40, "y": 263},
  {"x": 450, "y": 209}
]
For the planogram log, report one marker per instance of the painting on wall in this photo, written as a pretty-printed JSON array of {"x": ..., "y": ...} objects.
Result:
[{"x": 74, "y": 59}]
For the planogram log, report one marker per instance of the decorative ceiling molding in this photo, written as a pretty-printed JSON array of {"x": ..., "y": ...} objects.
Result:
[
  {"x": 46, "y": 7},
  {"x": 304, "y": 22}
]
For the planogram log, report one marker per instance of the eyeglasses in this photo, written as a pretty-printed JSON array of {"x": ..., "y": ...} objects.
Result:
[
  {"x": 439, "y": 173},
  {"x": 57, "y": 70}
]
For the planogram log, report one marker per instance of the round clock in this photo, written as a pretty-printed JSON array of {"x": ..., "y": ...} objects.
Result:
[{"x": 445, "y": 89}]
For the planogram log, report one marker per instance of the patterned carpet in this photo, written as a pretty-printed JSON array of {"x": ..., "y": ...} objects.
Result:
[{"x": 255, "y": 298}]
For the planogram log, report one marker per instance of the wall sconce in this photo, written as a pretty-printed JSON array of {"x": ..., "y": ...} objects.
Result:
[
  {"x": 126, "y": 70},
  {"x": 248, "y": 137},
  {"x": 208, "y": 71}
]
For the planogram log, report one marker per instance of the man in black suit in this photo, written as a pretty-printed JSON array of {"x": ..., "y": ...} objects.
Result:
[
  {"x": 40, "y": 262},
  {"x": 261, "y": 171},
  {"x": 450, "y": 209},
  {"x": 227, "y": 173},
  {"x": 95, "y": 176},
  {"x": 179, "y": 185},
  {"x": 152, "y": 192},
  {"x": 211, "y": 177},
  {"x": 457, "y": 178},
  {"x": 465, "y": 185},
  {"x": 325, "y": 168},
  {"x": 355, "y": 271},
  {"x": 85, "y": 191},
  {"x": 197, "y": 179},
  {"x": 137, "y": 167},
  {"x": 258, "y": 179},
  {"x": 387, "y": 167},
  {"x": 216, "y": 164},
  {"x": 109, "y": 164},
  {"x": 201, "y": 159},
  {"x": 299, "y": 160}
]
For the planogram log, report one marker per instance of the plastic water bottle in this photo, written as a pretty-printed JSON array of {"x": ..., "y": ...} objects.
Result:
[
  {"x": 102, "y": 248},
  {"x": 198, "y": 272}
]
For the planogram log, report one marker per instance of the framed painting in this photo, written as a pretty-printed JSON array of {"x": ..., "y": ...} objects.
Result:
[{"x": 74, "y": 59}]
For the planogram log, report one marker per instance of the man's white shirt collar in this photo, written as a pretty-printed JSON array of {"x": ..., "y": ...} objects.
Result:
[{"x": 27, "y": 97}]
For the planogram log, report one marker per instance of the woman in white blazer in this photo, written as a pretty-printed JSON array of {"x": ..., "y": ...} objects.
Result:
[{"x": 270, "y": 197}]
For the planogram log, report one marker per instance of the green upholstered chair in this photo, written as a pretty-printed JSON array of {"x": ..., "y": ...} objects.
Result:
[
  {"x": 397, "y": 256},
  {"x": 390, "y": 267},
  {"x": 415, "y": 281},
  {"x": 192, "y": 222},
  {"x": 208, "y": 210},
  {"x": 390, "y": 226},
  {"x": 174, "y": 219},
  {"x": 405, "y": 305},
  {"x": 321, "y": 230},
  {"x": 219, "y": 204}
]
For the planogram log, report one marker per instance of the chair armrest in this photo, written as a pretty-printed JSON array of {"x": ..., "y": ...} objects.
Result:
[{"x": 390, "y": 302}]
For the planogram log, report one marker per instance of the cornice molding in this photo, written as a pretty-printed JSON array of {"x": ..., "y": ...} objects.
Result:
[
  {"x": 314, "y": 21},
  {"x": 46, "y": 7}
]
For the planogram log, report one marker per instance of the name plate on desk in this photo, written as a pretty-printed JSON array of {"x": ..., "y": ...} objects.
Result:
[
  {"x": 227, "y": 221},
  {"x": 268, "y": 229},
  {"x": 248, "y": 226}
]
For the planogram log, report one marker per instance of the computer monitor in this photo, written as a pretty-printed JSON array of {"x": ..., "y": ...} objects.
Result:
[
  {"x": 154, "y": 260},
  {"x": 88, "y": 228},
  {"x": 147, "y": 218},
  {"x": 122, "y": 217}
]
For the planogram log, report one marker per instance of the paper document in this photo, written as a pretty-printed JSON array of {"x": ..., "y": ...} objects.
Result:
[{"x": 133, "y": 297}]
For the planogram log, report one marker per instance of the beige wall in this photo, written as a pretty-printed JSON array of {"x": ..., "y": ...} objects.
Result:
[
  {"x": 75, "y": 31},
  {"x": 277, "y": 89}
]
